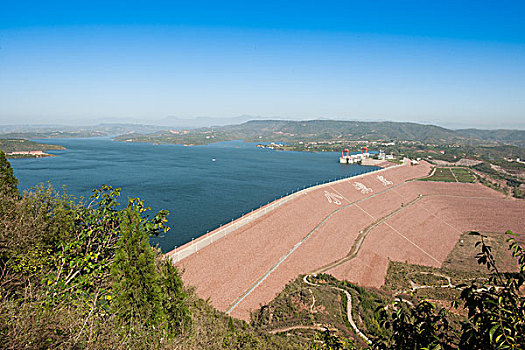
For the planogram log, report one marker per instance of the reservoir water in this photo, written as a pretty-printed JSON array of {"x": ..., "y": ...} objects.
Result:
[{"x": 203, "y": 187}]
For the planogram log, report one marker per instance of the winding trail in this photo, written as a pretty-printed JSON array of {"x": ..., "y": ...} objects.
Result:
[
  {"x": 348, "y": 308},
  {"x": 298, "y": 244},
  {"x": 318, "y": 327},
  {"x": 352, "y": 254},
  {"x": 415, "y": 287}
]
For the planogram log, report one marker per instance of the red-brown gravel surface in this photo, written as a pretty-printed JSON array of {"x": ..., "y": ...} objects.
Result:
[{"x": 423, "y": 232}]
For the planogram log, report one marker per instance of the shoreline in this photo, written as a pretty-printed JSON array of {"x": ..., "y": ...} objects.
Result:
[
  {"x": 28, "y": 154},
  {"x": 180, "y": 253}
]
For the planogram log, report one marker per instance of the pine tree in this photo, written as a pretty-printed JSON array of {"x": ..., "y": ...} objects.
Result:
[
  {"x": 174, "y": 302},
  {"x": 137, "y": 288}
]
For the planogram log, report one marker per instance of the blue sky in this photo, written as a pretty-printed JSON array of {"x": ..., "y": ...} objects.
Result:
[{"x": 452, "y": 63}]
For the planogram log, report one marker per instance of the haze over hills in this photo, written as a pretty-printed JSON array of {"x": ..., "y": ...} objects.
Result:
[
  {"x": 289, "y": 130},
  {"x": 251, "y": 127},
  {"x": 274, "y": 130},
  {"x": 203, "y": 122},
  {"x": 166, "y": 122},
  {"x": 271, "y": 130},
  {"x": 515, "y": 137},
  {"x": 65, "y": 131}
]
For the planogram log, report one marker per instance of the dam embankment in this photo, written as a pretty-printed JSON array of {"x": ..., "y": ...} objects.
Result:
[
  {"x": 404, "y": 220},
  {"x": 351, "y": 229}
]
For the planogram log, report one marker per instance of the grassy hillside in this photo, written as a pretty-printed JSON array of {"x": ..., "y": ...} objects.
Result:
[{"x": 300, "y": 309}]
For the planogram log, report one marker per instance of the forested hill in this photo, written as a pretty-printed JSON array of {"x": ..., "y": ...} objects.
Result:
[
  {"x": 325, "y": 130},
  {"x": 513, "y": 137},
  {"x": 16, "y": 145},
  {"x": 333, "y": 129}
]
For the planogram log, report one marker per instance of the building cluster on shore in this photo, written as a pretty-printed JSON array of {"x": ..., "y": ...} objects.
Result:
[
  {"x": 347, "y": 158},
  {"x": 358, "y": 158},
  {"x": 36, "y": 154},
  {"x": 272, "y": 145}
]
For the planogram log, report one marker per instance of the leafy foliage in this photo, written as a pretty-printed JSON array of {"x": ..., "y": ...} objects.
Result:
[
  {"x": 495, "y": 312},
  {"x": 329, "y": 341},
  {"x": 8, "y": 181},
  {"x": 75, "y": 275},
  {"x": 178, "y": 316},
  {"x": 419, "y": 327},
  {"x": 82, "y": 275}
]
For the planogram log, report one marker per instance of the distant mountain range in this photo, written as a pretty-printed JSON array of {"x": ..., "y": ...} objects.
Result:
[
  {"x": 358, "y": 130},
  {"x": 204, "y": 122},
  {"x": 66, "y": 131},
  {"x": 355, "y": 130},
  {"x": 274, "y": 130},
  {"x": 323, "y": 130}
]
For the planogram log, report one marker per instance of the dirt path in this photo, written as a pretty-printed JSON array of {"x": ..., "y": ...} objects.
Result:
[
  {"x": 297, "y": 245},
  {"x": 354, "y": 250},
  {"x": 455, "y": 178},
  {"x": 348, "y": 308},
  {"x": 431, "y": 173},
  {"x": 360, "y": 239},
  {"x": 415, "y": 287},
  {"x": 300, "y": 326}
]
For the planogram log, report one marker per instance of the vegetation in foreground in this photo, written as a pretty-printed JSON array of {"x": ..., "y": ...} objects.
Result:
[
  {"x": 83, "y": 276},
  {"x": 460, "y": 306},
  {"x": 491, "y": 309},
  {"x": 301, "y": 309}
]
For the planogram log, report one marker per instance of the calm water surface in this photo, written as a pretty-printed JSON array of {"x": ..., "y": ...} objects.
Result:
[{"x": 201, "y": 186}]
